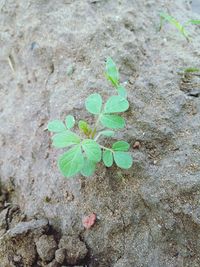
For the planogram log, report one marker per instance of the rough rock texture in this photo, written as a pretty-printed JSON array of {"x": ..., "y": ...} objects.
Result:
[
  {"x": 17, "y": 246},
  {"x": 75, "y": 250},
  {"x": 60, "y": 255},
  {"x": 46, "y": 247},
  {"x": 52, "y": 57}
]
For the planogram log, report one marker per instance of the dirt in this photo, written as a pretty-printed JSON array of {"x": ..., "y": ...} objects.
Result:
[{"x": 52, "y": 57}]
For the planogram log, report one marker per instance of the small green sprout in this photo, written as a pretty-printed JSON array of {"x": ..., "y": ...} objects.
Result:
[
  {"x": 180, "y": 27},
  {"x": 84, "y": 149},
  {"x": 112, "y": 75},
  {"x": 173, "y": 21},
  {"x": 193, "y": 22},
  {"x": 191, "y": 70}
]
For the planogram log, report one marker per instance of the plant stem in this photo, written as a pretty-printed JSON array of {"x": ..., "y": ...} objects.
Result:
[
  {"x": 98, "y": 135},
  {"x": 95, "y": 127},
  {"x": 106, "y": 148}
]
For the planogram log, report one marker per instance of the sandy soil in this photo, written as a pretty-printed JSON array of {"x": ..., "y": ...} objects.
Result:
[{"x": 52, "y": 57}]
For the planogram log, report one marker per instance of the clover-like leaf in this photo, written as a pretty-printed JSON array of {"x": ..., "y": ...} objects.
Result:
[
  {"x": 123, "y": 159},
  {"x": 92, "y": 150},
  {"x": 56, "y": 126},
  {"x": 69, "y": 121},
  {"x": 116, "y": 103},
  {"x": 88, "y": 168},
  {"x": 112, "y": 73},
  {"x": 93, "y": 103},
  {"x": 121, "y": 146},
  {"x": 122, "y": 91},
  {"x": 65, "y": 139},
  {"x": 112, "y": 121},
  {"x": 107, "y": 133},
  {"x": 71, "y": 162},
  {"x": 107, "y": 158}
]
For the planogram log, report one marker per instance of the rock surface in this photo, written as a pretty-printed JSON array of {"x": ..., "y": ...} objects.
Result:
[
  {"x": 46, "y": 247},
  {"x": 52, "y": 57},
  {"x": 75, "y": 250},
  {"x": 60, "y": 255}
]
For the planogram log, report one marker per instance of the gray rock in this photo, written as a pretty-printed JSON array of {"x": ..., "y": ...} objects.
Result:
[
  {"x": 46, "y": 247},
  {"x": 3, "y": 215},
  {"x": 60, "y": 255},
  {"x": 37, "y": 227},
  {"x": 75, "y": 249},
  {"x": 54, "y": 263}
]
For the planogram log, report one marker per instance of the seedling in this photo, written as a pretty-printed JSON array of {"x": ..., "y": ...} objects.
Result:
[
  {"x": 190, "y": 71},
  {"x": 84, "y": 148},
  {"x": 180, "y": 27}
]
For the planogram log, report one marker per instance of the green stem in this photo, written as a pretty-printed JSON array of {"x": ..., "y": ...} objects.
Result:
[
  {"x": 106, "y": 148},
  {"x": 97, "y": 137},
  {"x": 95, "y": 127}
]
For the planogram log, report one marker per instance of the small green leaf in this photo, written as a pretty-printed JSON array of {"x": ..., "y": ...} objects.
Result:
[
  {"x": 123, "y": 159},
  {"x": 88, "y": 168},
  {"x": 194, "y": 21},
  {"x": 112, "y": 73},
  {"x": 173, "y": 21},
  {"x": 69, "y": 121},
  {"x": 116, "y": 104},
  {"x": 56, "y": 126},
  {"x": 191, "y": 70},
  {"x": 65, "y": 139},
  {"x": 93, "y": 103},
  {"x": 84, "y": 127},
  {"x": 112, "y": 121},
  {"x": 92, "y": 150},
  {"x": 122, "y": 91},
  {"x": 120, "y": 146},
  {"x": 71, "y": 162},
  {"x": 107, "y": 158},
  {"x": 107, "y": 133}
]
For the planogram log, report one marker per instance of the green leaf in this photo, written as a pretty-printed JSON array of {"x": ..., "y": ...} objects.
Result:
[
  {"x": 69, "y": 121},
  {"x": 122, "y": 91},
  {"x": 93, "y": 103},
  {"x": 121, "y": 146},
  {"x": 173, "y": 21},
  {"x": 112, "y": 121},
  {"x": 107, "y": 133},
  {"x": 71, "y": 162},
  {"x": 107, "y": 158},
  {"x": 193, "y": 21},
  {"x": 123, "y": 159},
  {"x": 84, "y": 127},
  {"x": 191, "y": 70},
  {"x": 56, "y": 126},
  {"x": 116, "y": 104},
  {"x": 92, "y": 150},
  {"x": 88, "y": 168},
  {"x": 112, "y": 73},
  {"x": 65, "y": 139}
]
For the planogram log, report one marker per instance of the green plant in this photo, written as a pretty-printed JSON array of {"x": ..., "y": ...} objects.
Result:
[
  {"x": 85, "y": 151},
  {"x": 180, "y": 27},
  {"x": 191, "y": 70}
]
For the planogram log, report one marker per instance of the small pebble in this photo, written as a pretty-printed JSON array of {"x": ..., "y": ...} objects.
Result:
[{"x": 137, "y": 145}]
